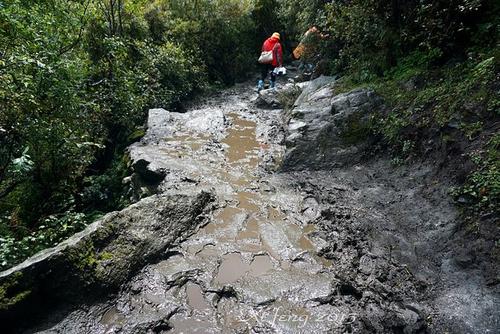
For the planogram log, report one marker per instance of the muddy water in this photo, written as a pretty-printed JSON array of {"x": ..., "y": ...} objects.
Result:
[
  {"x": 254, "y": 267},
  {"x": 252, "y": 207},
  {"x": 242, "y": 146},
  {"x": 256, "y": 234}
]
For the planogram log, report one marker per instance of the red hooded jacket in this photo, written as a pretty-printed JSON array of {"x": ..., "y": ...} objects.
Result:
[{"x": 273, "y": 43}]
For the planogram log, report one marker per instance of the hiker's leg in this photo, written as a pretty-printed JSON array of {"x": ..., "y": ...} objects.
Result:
[
  {"x": 273, "y": 78},
  {"x": 264, "y": 69},
  {"x": 319, "y": 69},
  {"x": 263, "y": 75}
]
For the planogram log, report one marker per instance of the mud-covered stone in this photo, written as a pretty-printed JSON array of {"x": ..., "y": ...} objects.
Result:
[
  {"x": 101, "y": 257},
  {"x": 268, "y": 99},
  {"x": 325, "y": 129},
  {"x": 155, "y": 158},
  {"x": 276, "y": 98}
]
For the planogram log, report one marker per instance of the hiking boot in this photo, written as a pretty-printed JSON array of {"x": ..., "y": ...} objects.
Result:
[
  {"x": 260, "y": 85},
  {"x": 273, "y": 84}
]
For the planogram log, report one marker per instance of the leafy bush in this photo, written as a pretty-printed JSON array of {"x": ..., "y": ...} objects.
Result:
[
  {"x": 105, "y": 192},
  {"x": 481, "y": 190},
  {"x": 424, "y": 97},
  {"x": 219, "y": 34},
  {"x": 76, "y": 80},
  {"x": 41, "y": 98},
  {"x": 52, "y": 231},
  {"x": 370, "y": 36}
]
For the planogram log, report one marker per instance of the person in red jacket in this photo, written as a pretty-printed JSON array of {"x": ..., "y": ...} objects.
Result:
[{"x": 271, "y": 44}]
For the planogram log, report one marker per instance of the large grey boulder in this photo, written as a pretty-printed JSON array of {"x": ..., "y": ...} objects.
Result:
[
  {"x": 327, "y": 130},
  {"x": 103, "y": 256},
  {"x": 274, "y": 98},
  {"x": 152, "y": 159}
]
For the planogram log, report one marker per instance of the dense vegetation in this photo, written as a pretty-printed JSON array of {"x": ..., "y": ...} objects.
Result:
[
  {"x": 76, "y": 80},
  {"x": 77, "y": 77},
  {"x": 437, "y": 64}
]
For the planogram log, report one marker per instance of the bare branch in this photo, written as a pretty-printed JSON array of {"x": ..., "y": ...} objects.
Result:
[{"x": 83, "y": 23}]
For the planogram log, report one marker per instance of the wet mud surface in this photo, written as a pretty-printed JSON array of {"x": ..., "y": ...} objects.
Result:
[
  {"x": 255, "y": 266},
  {"x": 297, "y": 252}
]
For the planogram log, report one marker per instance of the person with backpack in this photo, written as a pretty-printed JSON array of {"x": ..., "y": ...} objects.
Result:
[
  {"x": 309, "y": 50},
  {"x": 270, "y": 58}
]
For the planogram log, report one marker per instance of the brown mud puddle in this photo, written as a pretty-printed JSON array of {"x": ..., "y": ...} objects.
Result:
[
  {"x": 248, "y": 209},
  {"x": 250, "y": 235}
]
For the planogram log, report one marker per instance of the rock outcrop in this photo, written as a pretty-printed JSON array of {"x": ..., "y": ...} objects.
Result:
[
  {"x": 102, "y": 257},
  {"x": 154, "y": 159},
  {"x": 273, "y": 98},
  {"x": 328, "y": 130},
  {"x": 268, "y": 99}
]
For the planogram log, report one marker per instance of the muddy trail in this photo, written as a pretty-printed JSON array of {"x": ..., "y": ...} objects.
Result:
[{"x": 348, "y": 249}]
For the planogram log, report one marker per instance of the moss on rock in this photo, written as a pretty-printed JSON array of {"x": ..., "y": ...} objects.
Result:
[{"x": 11, "y": 293}]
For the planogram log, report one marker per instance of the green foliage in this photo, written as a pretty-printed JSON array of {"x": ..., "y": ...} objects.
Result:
[
  {"x": 52, "y": 231},
  {"x": 219, "y": 34},
  {"x": 43, "y": 108},
  {"x": 481, "y": 190},
  {"x": 265, "y": 17},
  {"x": 8, "y": 294},
  {"x": 23, "y": 164},
  {"x": 368, "y": 37},
  {"x": 105, "y": 192},
  {"x": 299, "y": 15},
  {"x": 436, "y": 63},
  {"x": 76, "y": 80},
  {"x": 424, "y": 97}
]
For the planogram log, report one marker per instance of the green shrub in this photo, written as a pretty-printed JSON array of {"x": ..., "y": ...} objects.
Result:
[
  {"x": 52, "y": 231},
  {"x": 76, "y": 81},
  {"x": 104, "y": 192},
  {"x": 481, "y": 191}
]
